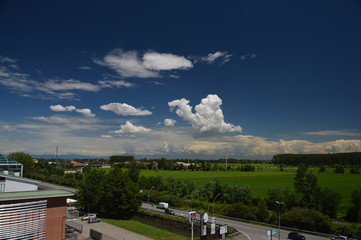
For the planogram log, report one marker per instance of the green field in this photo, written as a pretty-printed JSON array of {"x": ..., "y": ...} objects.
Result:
[{"x": 260, "y": 180}]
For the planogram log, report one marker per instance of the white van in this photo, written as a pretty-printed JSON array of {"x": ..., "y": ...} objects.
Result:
[{"x": 163, "y": 205}]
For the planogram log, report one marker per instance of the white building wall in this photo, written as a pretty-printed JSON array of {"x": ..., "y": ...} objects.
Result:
[{"x": 15, "y": 185}]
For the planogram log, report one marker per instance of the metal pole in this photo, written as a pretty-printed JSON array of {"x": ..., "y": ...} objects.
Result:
[
  {"x": 215, "y": 200},
  {"x": 279, "y": 218},
  {"x": 149, "y": 193},
  {"x": 192, "y": 230}
]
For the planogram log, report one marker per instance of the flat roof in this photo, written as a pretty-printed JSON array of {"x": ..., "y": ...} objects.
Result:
[
  {"x": 6, "y": 196},
  {"x": 19, "y": 178}
]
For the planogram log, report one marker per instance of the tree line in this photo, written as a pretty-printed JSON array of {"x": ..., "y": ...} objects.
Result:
[{"x": 332, "y": 159}]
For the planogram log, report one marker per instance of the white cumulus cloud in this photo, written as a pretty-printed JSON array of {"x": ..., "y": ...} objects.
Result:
[
  {"x": 208, "y": 119},
  {"x": 165, "y": 61},
  {"x": 169, "y": 122},
  {"x": 59, "y": 108},
  {"x": 86, "y": 112},
  {"x": 128, "y": 127},
  {"x": 124, "y": 109},
  {"x": 130, "y": 64}
]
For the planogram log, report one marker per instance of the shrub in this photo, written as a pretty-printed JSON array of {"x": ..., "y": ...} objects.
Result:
[{"x": 307, "y": 219}]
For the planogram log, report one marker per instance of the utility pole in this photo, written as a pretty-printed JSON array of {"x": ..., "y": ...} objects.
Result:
[
  {"x": 149, "y": 193},
  {"x": 214, "y": 201},
  {"x": 279, "y": 218}
]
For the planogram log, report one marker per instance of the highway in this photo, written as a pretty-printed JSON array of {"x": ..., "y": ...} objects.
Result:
[{"x": 250, "y": 231}]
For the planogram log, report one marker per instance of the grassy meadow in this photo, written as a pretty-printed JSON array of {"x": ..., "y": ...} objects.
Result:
[{"x": 266, "y": 176}]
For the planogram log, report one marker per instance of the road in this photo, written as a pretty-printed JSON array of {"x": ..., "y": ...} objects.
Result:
[{"x": 251, "y": 231}]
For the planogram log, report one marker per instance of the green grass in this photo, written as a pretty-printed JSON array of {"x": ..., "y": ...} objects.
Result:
[
  {"x": 145, "y": 230},
  {"x": 268, "y": 175},
  {"x": 261, "y": 180}
]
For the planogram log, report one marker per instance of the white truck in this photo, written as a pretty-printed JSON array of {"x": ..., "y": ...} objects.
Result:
[{"x": 162, "y": 205}]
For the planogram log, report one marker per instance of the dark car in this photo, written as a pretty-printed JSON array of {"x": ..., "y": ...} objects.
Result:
[
  {"x": 169, "y": 211},
  {"x": 296, "y": 236},
  {"x": 69, "y": 229}
]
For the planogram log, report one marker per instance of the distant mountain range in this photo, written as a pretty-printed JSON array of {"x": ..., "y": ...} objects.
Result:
[{"x": 70, "y": 156}]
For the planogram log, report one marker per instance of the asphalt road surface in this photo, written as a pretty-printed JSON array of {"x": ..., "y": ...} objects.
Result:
[{"x": 251, "y": 231}]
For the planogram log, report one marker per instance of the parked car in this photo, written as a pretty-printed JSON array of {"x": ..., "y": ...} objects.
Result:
[
  {"x": 169, "y": 211},
  {"x": 339, "y": 238},
  {"x": 89, "y": 216},
  {"x": 296, "y": 236},
  {"x": 93, "y": 220}
]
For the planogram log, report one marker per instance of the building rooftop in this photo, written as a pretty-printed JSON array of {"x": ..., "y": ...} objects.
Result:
[
  {"x": 7, "y": 196},
  {"x": 23, "y": 179},
  {"x": 5, "y": 160}
]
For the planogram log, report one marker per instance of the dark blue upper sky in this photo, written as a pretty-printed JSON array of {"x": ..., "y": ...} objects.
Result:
[{"x": 242, "y": 78}]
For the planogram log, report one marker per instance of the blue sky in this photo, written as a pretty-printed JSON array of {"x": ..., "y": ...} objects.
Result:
[{"x": 189, "y": 79}]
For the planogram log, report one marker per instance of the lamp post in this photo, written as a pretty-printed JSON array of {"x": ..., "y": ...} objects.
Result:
[
  {"x": 214, "y": 201},
  {"x": 149, "y": 193},
  {"x": 279, "y": 218}
]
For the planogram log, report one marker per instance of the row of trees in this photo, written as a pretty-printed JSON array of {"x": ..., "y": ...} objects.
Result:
[{"x": 344, "y": 159}]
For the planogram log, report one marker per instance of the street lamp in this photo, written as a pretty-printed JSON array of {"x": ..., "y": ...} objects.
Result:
[
  {"x": 149, "y": 193},
  {"x": 279, "y": 218},
  {"x": 215, "y": 200}
]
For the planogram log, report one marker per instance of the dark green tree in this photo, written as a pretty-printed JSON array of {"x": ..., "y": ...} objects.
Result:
[
  {"x": 133, "y": 171},
  {"x": 25, "y": 159},
  {"x": 119, "y": 195},
  {"x": 328, "y": 201},
  {"x": 354, "y": 212},
  {"x": 306, "y": 186},
  {"x": 88, "y": 190}
]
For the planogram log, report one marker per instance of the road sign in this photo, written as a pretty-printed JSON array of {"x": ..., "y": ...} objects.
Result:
[
  {"x": 192, "y": 216},
  {"x": 271, "y": 232},
  {"x": 223, "y": 229}
]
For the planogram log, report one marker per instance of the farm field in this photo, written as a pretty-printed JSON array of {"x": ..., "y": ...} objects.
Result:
[{"x": 260, "y": 180}]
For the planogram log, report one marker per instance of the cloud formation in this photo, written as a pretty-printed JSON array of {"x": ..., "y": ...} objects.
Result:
[
  {"x": 165, "y": 61},
  {"x": 124, "y": 109},
  {"x": 169, "y": 122},
  {"x": 129, "y": 64},
  {"x": 208, "y": 119},
  {"x": 85, "y": 111},
  {"x": 24, "y": 85},
  {"x": 247, "y": 56},
  {"x": 128, "y": 127},
  {"x": 223, "y": 57},
  {"x": 350, "y": 133}
]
